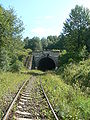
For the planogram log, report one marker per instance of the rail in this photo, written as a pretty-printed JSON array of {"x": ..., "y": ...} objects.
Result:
[
  {"x": 6, "y": 116},
  {"x": 13, "y": 102},
  {"x": 49, "y": 102}
]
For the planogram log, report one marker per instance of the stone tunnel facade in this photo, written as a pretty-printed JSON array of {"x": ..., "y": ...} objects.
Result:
[{"x": 45, "y": 60}]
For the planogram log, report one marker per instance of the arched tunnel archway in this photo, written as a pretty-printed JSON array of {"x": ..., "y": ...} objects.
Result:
[{"x": 46, "y": 64}]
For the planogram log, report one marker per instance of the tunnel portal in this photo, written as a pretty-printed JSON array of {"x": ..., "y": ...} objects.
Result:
[
  {"x": 44, "y": 60},
  {"x": 46, "y": 64}
]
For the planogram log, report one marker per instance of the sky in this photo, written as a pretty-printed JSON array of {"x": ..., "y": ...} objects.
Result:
[{"x": 42, "y": 18}]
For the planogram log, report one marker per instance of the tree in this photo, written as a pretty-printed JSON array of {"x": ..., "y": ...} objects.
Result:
[
  {"x": 52, "y": 40},
  {"x": 26, "y": 40},
  {"x": 10, "y": 27},
  {"x": 60, "y": 43},
  {"x": 88, "y": 39},
  {"x": 10, "y": 37},
  {"x": 75, "y": 28},
  {"x": 44, "y": 43},
  {"x": 33, "y": 44}
]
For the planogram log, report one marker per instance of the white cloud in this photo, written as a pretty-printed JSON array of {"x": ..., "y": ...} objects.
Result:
[{"x": 44, "y": 32}]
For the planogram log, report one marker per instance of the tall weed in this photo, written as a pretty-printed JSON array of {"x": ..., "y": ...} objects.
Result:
[{"x": 68, "y": 102}]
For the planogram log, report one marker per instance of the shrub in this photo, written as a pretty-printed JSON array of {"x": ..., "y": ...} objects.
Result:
[
  {"x": 73, "y": 73},
  {"x": 69, "y": 103},
  {"x": 16, "y": 67}
]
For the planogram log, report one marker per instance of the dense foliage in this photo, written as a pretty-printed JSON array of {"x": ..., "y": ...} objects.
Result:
[
  {"x": 68, "y": 102},
  {"x": 75, "y": 29},
  {"x": 76, "y": 32},
  {"x": 77, "y": 73},
  {"x": 41, "y": 44},
  {"x": 11, "y": 44},
  {"x": 34, "y": 43}
]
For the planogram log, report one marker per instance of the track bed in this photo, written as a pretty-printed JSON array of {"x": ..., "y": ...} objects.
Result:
[{"x": 31, "y": 104}]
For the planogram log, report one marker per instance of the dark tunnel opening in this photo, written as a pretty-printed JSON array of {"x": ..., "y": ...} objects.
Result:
[{"x": 46, "y": 64}]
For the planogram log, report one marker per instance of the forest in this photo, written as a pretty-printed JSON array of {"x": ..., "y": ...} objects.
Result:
[{"x": 74, "y": 60}]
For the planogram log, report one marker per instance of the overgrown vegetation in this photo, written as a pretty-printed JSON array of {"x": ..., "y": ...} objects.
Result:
[
  {"x": 9, "y": 85},
  {"x": 68, "y": 91},
  {"x": 74, "y": 73},
  {"x": 70, "y": 103}
]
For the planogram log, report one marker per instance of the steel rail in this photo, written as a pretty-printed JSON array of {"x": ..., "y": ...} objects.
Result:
[
  {"x": 49, "y": 102},
  {"x": 6, "y": 116},
  {"x": 13, "y": 102}
]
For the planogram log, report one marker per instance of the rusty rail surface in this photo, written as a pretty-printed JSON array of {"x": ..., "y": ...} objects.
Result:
[{"x": 49, "y": 102}]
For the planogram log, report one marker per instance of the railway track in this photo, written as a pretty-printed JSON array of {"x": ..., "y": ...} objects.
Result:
[{"x": 31, "y": 103}]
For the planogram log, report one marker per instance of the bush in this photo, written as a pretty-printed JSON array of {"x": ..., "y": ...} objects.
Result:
[
  {"x": 69, "y": 103},
  {"x": 73, "y": 57},
  {"x": 66, "y": 58},
  {"x": 16, "y": 67},
  {"x": 73, "y": 73}
]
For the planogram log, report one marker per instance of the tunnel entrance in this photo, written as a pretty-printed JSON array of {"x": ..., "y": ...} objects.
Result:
[{"x": 46, "y": 64}]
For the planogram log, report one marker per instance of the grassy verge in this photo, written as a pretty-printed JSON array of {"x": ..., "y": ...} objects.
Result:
[
  {"x": 32, "y": 72},
  {"x": 69, "y": 102},
  {"x": 9, "y": 85}
]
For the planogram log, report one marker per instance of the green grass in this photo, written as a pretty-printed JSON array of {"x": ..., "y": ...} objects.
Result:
[
  {"x": 32, "y": 72},
  {"x": 9, "y": 85},
  {"x": 68, "y": 100},
  {"x": 69, "y": 103}
]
